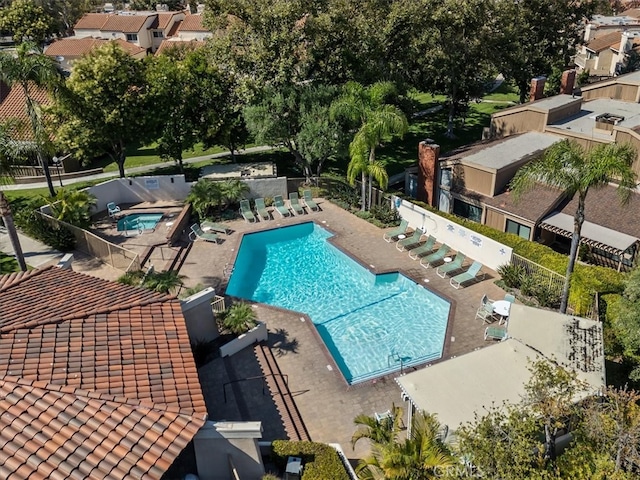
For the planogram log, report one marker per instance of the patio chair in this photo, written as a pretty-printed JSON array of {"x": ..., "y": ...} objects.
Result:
[
  {"x": 473, "y": 273},
  {"x": 443, "y": 270},
  {"x": 431, "y": 260},
  {"x": 261, "y": 209},
  {"x": 485, "y": 313},
  {"x": 295, "y": 203},
  {"x": 510, "y": 298},
  {"x": 197, "y": 234},
  {"x": 245, "y": 211},
  {"x": 485, "y": 300},
  {"x": 410, "y": 242},
  {"x": 214, "y": 227},
  {"x": 399, "y": 230},
  {"x": 495, "y": 333},
  {"x": 425, "y": 248},
  {"x": 281, "y": 208},
  {"x": 113, "y": 209},
  {"x": 308, "y": 201}
]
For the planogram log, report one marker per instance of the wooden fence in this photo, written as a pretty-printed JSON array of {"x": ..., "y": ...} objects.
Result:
[
  {"x": 34, "y": 170},
  {"x": 107, "y": 252}
]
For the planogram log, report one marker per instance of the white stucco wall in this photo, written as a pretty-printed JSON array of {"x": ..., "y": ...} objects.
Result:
[
  {"x": 266, "y": 187},
  {"x": 472, "y": 244},
  {"x": 198, "y": 316}
]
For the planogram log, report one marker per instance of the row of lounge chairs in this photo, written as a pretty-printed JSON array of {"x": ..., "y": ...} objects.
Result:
[
  {"x": 296, "y": 205},
  {"x": 431, "y": 258}
]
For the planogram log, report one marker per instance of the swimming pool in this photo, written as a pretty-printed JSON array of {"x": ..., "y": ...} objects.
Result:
[
  {"x": 145, "y": 221},
  {"x": 371, "y": 324}
]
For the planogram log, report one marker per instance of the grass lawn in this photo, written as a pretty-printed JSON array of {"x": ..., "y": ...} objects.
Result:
[{"x": 30, "y": 193}]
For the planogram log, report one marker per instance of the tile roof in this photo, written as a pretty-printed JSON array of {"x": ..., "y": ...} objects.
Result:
[
  {"x": 605, "y": 41},
  {"x": 531, "y": 206},
  {"x": 13, "y": 106},
  {"x": 97, "y": 379},
  {"x": 193, "y": 23},
  {"x": 76, "y": 47},
  {"x": 603, "y": 208},
  {"x": 92, "y": 21},
  {"x": 186, "y": 45},
  {"x": 174, "y": 29},
  {"x": 162, "y": 20},
  {"x": 125, "y": 23}
]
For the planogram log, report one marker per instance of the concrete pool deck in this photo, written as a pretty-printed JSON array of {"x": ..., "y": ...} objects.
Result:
[{"x": 327, "y": 404}]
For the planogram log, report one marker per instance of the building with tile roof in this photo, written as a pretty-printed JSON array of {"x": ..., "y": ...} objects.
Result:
[
  {"x": 67, "y": 50},
  {"x": 97, "y": 379},
  {"x": 145, "y": 30},
  {"x": 606, "y": 55},
  {"x": 13, "y": 107}
]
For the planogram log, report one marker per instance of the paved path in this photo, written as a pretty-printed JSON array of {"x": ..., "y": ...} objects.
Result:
[
  {"x": 129, "y": 171},
  {"x": 36, "y": 254}
]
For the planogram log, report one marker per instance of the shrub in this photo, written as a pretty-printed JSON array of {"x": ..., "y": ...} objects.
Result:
[
  {"x": 388, "y": 216},
  {"x": 346, "y": 194},
  {"x": 8, "y": 264},
  {"x": 364, "y": 215},
  {"x": 321, "y": 462},
  {"x": 511, "y": 274},
  {"x": 239, "y": 318}
]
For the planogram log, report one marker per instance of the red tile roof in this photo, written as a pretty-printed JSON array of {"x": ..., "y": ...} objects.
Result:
[
  {"x": 193, "y": 23},
  {"x": 76, "y": 47},
  {"x": 92, "y": 21},
  {"x": 97, "y": 379},
  {"x": 14, "y": 107},
  {"x": 125, "y": 23},
  {"x": 178, "y": 44}
]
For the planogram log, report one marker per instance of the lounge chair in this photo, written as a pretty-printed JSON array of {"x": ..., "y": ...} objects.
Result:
[
  {"x": 410, "y": 242},
  {"x": 295, "y": 203},
  {"x": 443, "y": 270},
  {"x": 436, "y": 257},
  {"x": 485, "y": 313},
  {"x": 510, "y": 298},
  {"x": 308, "y": 201},
  {"x": 495, "y": 333},
  {"x": 472, "y": 273},
  {"x": 245, "y": 211},
  {"x": 399, "y": 230},
  {"x": 278, "y": 202},
  {"x": 261, "y": 209},
  {"x": 198, "y": 234},
  {"x": 113, "y": 209},
  {"x": 214, "y": 227},
  {"x": 424, "y": 249}
]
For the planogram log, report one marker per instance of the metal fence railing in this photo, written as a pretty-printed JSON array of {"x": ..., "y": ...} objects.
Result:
[{"x": 107, "y": 252}]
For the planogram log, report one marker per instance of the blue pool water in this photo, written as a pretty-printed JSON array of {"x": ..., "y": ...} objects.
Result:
[
  {"x": 147, "y": 221},
  {"x": 368, "y": 322}
]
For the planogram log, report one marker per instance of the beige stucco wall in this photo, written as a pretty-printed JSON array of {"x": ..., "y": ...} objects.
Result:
[
  {"x": 520, "y": 120},
  {"x": 627, "y": 136},
  {"x": 627, "y": 93},
  {"x": 564, "y": 111},
  {"x": 267, "y": 187},
  {"x": 474, "y": 179}
]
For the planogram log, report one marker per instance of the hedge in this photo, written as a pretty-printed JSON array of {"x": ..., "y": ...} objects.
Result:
[{"x": 321, "y": 462}]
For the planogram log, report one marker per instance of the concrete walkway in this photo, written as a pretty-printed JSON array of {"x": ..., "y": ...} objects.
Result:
[
  {"x": 36, "y": 254},
  {"x": 130, "y": 171}
]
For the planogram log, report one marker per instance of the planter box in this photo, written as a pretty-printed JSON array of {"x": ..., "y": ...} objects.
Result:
[{"x": 256, "y": 334}]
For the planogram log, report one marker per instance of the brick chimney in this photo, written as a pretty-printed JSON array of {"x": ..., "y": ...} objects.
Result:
[
  {"x": 537, "y": 88},
  {"x": 568, "y": 82},
  {"x": 428, "y": 155}
]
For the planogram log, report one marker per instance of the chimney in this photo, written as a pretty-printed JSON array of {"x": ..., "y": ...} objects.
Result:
[
  {"x": 4, "y": 91},
  {"x": 537, "y": 88},
  {"x": 568, "y": 82},
  {"x": 428, "y": 155}
]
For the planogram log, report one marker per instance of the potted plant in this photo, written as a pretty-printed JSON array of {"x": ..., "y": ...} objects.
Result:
[{"x": 239, "y": 318}]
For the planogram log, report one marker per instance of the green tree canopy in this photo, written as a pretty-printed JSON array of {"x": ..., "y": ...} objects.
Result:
[
  {"x": 106, "y": 103},
  {"x": 26, "y": 20}
]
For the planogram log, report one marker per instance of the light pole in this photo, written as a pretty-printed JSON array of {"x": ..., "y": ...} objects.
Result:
[{"x": 57, "y": 162}]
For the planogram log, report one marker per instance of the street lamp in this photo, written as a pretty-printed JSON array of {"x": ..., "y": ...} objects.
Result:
[{"x": 57, "y": 162}]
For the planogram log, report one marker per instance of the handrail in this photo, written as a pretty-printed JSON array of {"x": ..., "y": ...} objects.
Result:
[{"x": 262, "y": 377}]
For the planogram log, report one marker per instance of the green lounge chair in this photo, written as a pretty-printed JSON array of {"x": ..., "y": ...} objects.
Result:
[
  {"x": 295, "y": 203},
  {"x": 399, "y": 230},
  {"x": 436, "y": 257},
  {"x": 261, "y": 209},
  {"x": 245, "y": 211},
  {"x": 198, "y": 234},
  {"x": 471, "y": 274},
  {"x": 308, "y": 201},
  {"x": 495, "y": 333},
  {"x": 215, "y": 227},
  {"x": 278, "y": 202},
  {"x": 425, "y": 248},
  {"x": 410, "y": 242},
  {"x": 443, "y": 270}
]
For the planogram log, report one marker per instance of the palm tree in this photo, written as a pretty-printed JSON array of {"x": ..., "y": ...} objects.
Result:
[
  {"x": 203, "y": 195},
  {"x": 376, "y": 120},
  {"x": 420, "y": 456},
  {"x": 30, "y": 68},
  {"x": 233, "y": 190},
  {"x": 74, "y": 207},
  {"x": 377, "y": 431},
  {"x": 568, "y": 167}
]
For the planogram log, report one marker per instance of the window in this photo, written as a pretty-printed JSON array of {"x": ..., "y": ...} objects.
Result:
[
  {"x": 132, "y": 37},
  {"x": 519, "y": 229},
  {"x": 158, "y": 35},
  {"x": 467, "y": 210}
]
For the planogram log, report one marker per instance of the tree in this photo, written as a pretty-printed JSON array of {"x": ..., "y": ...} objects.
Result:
[
  {"x": 26, "y": 21},
  {"x": 420, "y": 456},
  {"x": 537, "y": 35},
  {"x": 204, "y": 195},
  {"x": 106, "y": 100},
  {"x": 296, "y": 116},
  {"x": 378, "y": 431},
  {"x": 626, "y": 323},
  {"x": 239, "y": 318},
  {"x": 74, "y": 207},
  {"x": 377, "y": 121},
  {"x": 28, "y": 70},
  {"x": 568, "y": 167}
]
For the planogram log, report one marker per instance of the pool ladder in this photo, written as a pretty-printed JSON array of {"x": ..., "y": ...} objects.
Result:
[
  {"x": 397, "y": 357},
  {"x": 228, "y": 270}
]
